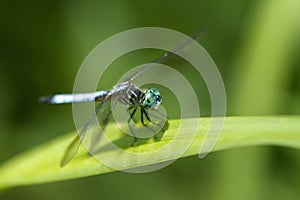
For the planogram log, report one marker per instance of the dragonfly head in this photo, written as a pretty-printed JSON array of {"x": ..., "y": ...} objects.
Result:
[{"x": 152, "y": 98}]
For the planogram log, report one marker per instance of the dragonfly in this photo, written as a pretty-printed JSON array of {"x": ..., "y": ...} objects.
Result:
[{"x": 126, "y": 93}]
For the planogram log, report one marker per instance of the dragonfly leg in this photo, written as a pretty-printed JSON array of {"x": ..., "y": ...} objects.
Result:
[
  {"x": 143, "y": 112},
  {"x": 148, "y": 118},
  {"x": 142, "y": 116},
  {"x": 131, "y": 118},
  {"x": 132, "y": 114}
]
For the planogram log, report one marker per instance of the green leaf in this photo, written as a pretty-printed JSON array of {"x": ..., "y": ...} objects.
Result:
[{"x": 42, "y": 163}]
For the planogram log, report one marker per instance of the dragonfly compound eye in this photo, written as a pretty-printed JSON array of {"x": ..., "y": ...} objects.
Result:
[{"x": 152, "y": 98}]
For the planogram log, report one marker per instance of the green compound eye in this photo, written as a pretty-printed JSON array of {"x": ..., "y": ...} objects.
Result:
[{"x": 152, "y": 98}]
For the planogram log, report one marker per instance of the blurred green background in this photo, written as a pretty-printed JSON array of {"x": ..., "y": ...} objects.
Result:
[{"x": 255, "y": 45}]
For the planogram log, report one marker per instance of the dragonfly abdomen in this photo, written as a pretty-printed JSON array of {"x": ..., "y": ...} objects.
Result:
[{"x": 75, "y": 98}]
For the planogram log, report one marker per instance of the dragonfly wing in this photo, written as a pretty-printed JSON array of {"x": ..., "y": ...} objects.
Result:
[
  {"x": 102, "y": 115},
  {"x": 71, "y": 151},
  {"x": 171, "y": 54}
]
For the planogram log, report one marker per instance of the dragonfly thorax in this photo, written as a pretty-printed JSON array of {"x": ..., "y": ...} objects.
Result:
[{"x": 151, "y": 99}]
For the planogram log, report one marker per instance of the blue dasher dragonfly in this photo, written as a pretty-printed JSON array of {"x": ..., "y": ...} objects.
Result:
[{"x": 126, "y": 93}]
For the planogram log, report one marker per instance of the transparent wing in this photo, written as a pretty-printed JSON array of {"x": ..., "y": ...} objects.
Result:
[
  {"x": 169, "y": 55},
  {"x": 102, "y": 115}
]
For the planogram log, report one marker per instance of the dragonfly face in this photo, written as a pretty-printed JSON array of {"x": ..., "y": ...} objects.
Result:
[{"x": 152, "y": 98}]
